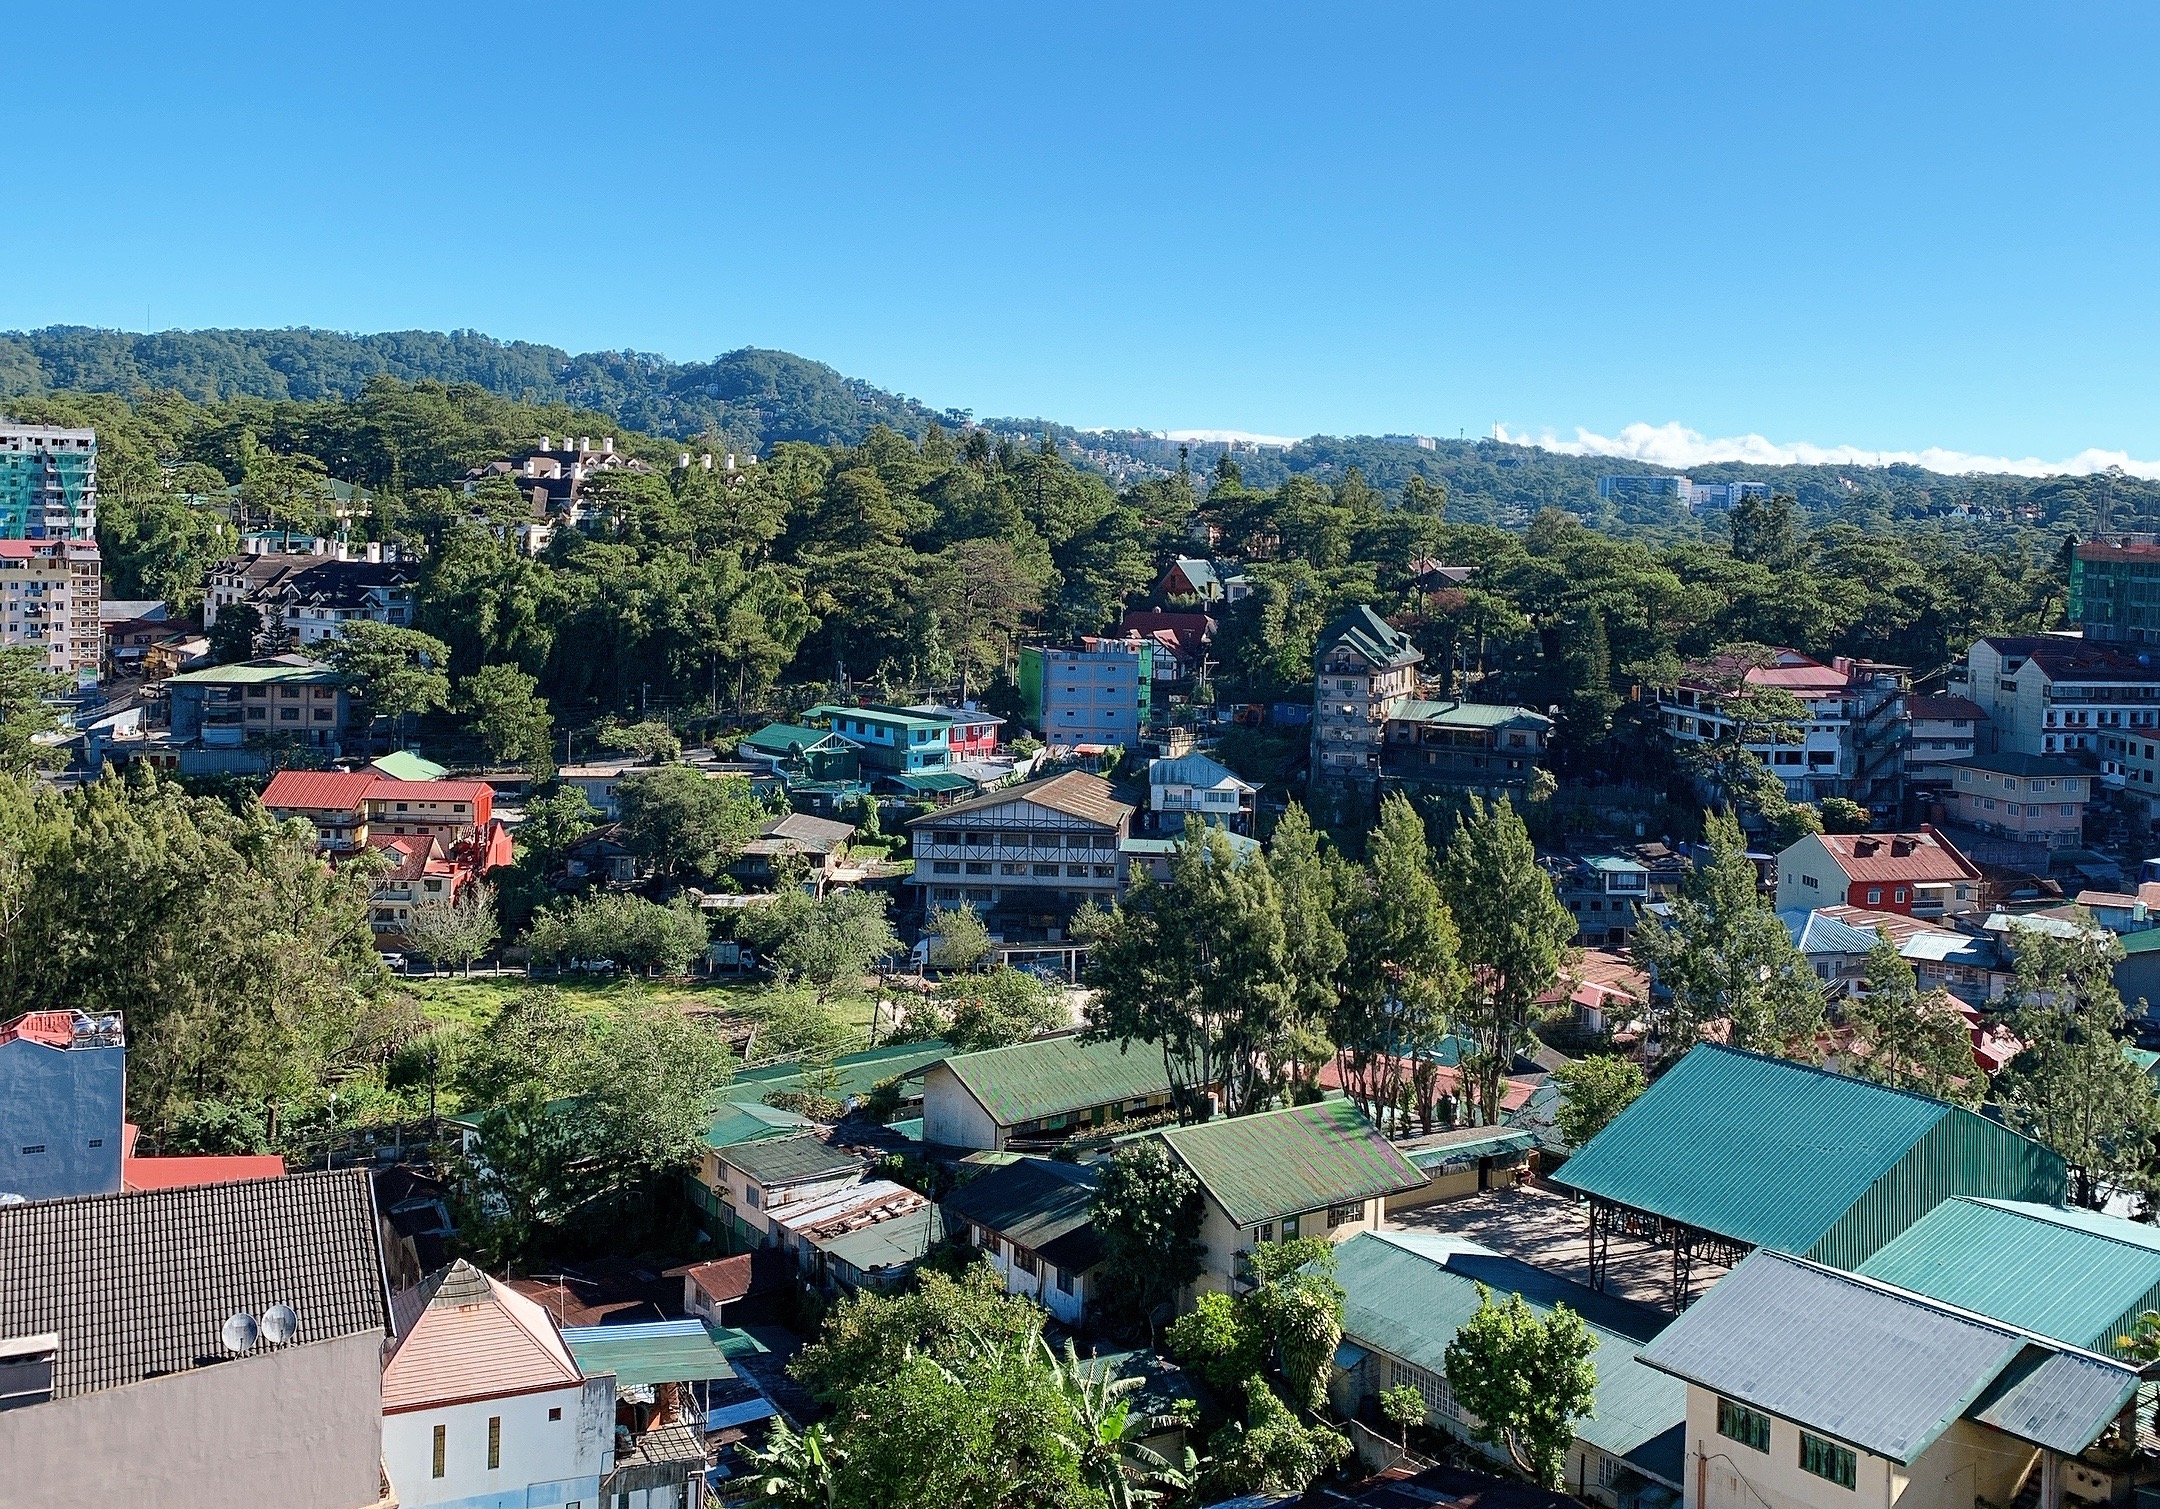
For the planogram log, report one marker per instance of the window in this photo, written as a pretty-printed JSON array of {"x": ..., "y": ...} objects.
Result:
[
  {"x": 750, "y": 1196},
  {"x": 35, "y": 1148},
  {"x": 1825, "y": 1459},
  {"x": 439, "y": 1450},
  {"x": 1065, "y": 1281},
  {"x": 494, "y": 1442},
  {"x": 97, "y": 1142},
  {"x": 1810, "y": 882},
  {"x": 555, "y": 1413},
  {"x": 1900, "y": 897},
  {"x": 1344, "y": 1214},
  {"x": 1439, "y": 1398},
  {"x": 1743, "y": 1425},
  {"x": 1874, "y": 896}
]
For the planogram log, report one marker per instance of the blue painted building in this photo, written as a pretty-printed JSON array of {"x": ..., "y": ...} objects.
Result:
[
  {"x": 63, "y": 1083},
  {"x": 889, "y": 738}
]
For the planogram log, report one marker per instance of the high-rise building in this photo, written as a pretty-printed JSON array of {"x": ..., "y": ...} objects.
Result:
[
  {"x": 49, "y": 600},
  {"x": 2115, "y": 589},
  {"x": 1643, "y": 487},
  {"x": 48, "y": 483}
]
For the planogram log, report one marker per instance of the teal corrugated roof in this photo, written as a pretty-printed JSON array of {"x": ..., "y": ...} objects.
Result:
[
  {"x": 2071, "y": 1275},
  {"x": 737, "y": 1122},
  {"x": 1407, "y": 1293},
  {"x": 1055, "y": 1076},
  {"x": 777, "y": 737},
  {"x": 1757, "y": 1149},
  {"x": 1471, "y": 1142},
  {"x": 858, "y": 1073},
  {"x": 1468, "y": 714},
  {"x": 1280, "y": 1163},
  {"x": 668, "y": 1351},
  {"x": 889, "y": 1244},
  {"x": 934, "y": 780}
]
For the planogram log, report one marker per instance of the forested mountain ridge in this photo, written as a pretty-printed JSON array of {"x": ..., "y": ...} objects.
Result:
[{"x": 754, "y": 399}]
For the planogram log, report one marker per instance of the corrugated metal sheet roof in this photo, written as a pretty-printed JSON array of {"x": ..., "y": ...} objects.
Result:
[
  {"x": 1053, "y": 1076},
  {"x": 789, "y": 1160},
  {"x": 2074, "y": 1276},
  {"x": 1279, "y": 1163},
  {"x": 737, "y": 1122},
  {"x": 1757, "y": 1149},
  {"x": 1044, "y": 1206},
  {"x": 667, "y": 1351},
  {"x": 1877, "y": 1367},
  {"x": 858, "y": 1073},
  {"x": 1407, "y": 1293},
  {"x": 1465, "y": 1143},
  {"x": 904, "y": 1239}
]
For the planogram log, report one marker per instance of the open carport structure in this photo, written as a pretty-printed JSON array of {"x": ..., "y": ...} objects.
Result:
[{"x": 1729, "y": 1151}]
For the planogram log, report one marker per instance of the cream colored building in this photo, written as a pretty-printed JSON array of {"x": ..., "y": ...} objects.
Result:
[{"x": 49, "y": 600}]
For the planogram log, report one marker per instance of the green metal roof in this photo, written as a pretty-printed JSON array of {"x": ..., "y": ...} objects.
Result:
[
  {"x": 1044, "y": 1206},
  {"x": 1280, "y": 1163},
  {"x": 404, "y": 765},
  {"x": 1467, "y": 714},
  {"x": 934, "y": 780},
  {"x": 670, "y": 1351},
  {"x": 2140, "y": 943},
  {"x": 737, "y": 1122},
  {"x": 877, "y": 715},
  {"x": 1054, "y": 1076},
  {"x": 858, "y": 1073},
  {"x": 1371, "y": 636},
  {"x": 251, "y": 674},
  {"x": 2076, "y": 1276},
  {"x": 777, "y": 737},
  {"x": 1406, "y": 1293},
  {"x": 1777, "y": 1154},
  {"x": 889, "y": 1244},
  {"x": 1470, "y": 1142},
  {"x": 788, "y": 1160}
]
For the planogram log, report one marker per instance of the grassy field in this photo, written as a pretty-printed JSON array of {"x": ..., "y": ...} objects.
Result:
[{"x": 455, "y": 1001}]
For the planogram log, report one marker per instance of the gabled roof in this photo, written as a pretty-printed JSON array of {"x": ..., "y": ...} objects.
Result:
[
  {"x": 819, "y": 835},
  {"x": 1925, "y": 709},
  {"x": 257, "y": 672},
  {"x": 1074, "y": 793},
  {"x": 1871, "y": 858},
  {"x": 1467, "y": 714},
  {"x": 1369, "y": 636},
  {"x": 1036, "y": 1203},
  {"x": 789, "y": 1160},
  {"x": 778, "y": 738},
  {"x": 858, "y": 1073},
  {"x": 1201, "y": 574},
  {"x": 2065, "y": 658},
  {"x": 657, "y": 1351},
  {"x": 137, "y": 1284},
  {"x": 2077, "y": 1276},
  {"x": 1772, "y": 1153},
  {"x": 1279, "y": 1163},
  {"x": 1195, "y": 770},
  {"x": 463, "y": 1334},
  {"x": 1407, "y": 1293},
  {"x": 897, "y": 717},
  {"x": 1053, "y": 1076},
  {"x": 385, "y": 790},
  {"x": 737, "y": 1122},
  {"x": 1819, "y": 933},
  {"x": 1882, "y": 1369},
  {"x": 319, "y": 790},
  {"x": 404, "y": 765}
]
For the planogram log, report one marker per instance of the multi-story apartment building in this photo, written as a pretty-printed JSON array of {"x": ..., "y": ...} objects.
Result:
[
  {"x": 62, "y": 1078},
  {"x": 1488, "y": 749},
  {"x": 50, "y": 601},
  {"x": 1364, "y": 670},
  {"x": 2115, "y": 589},
  {"x": 1027, "y": 856},
  {"x": 1853, "y": 738},
  {"x": 2028, "y": 798},
  {"x": 892, "y": 739},
  {"x": 2097, "y": 704},
  {"x": 1724, "y": 494},
  {"x": 1941, "y": 731},
  {"x": 1675, "y": 488},
  {"x": 308, "y": 596},
  {"x": 1100, "y": 692},
  {"x": 48, "y": 483}
]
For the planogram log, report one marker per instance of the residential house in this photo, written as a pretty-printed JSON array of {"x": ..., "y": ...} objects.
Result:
[
  {"x": 710, "y": 1287},
  {"x": 1195, "y": 784},
  {"x": 1972, "y": 967},
  {"x": 213, "y": 713},
  {"x": 1365, "y": 669},
  {"x": 1034, "y": 1220},
  {"x": 853, "y": 1075},
  {"x": 1484, "y": 749},
  {"x": 671, "y": 1376},
  {"x": 602, "y": 855},
  {"x": 307, "y": 598},
  {"x": 811, "y": 754},
  {"x": 1805, "y": 1160},
  {"x": 151, "y": 648},
  {"x": 1407, "y": 1293},
  {"x": 1317, "y": 1170},
  {"x": 1205, "y": 580},
  {"x": 1941, "y": 731},
  {"x": 1181, "y": 639},
  {"x": 1606, "y": 988},
  {"x": 483, "y": 1404},
  {"x": 1607, "y": 894},
  {"x": 2051, "y": 695},
  {"x": 753, "y": 1181},
  {"x": 1837, "y": 951},
  {"x": 818, "y": 845},
  {"x": 599, "y": 781},
  {"x": 1099, "y": 693},
  {"x": 407, "y": 765},
  {"x": 2102, "y": 1272},
  {"x": 1920, "y": 874},
  {"x": 1809, "y": 1388},
  {"x": 972, "y": 733},
  {"x": 63, "y": 1080},
  {"x": 438, "y": 837},
  {"x": 196, "y": 1348},
  {"x": 868, "y": 1235},
  {"x": 2026, "y": 798},
  {"x": 1151, "y": 856},
  {"x": 890, "y": 740},
  {"x": 552, "y": 477},
  {"x": 1851, "y": 745},
  {"x": 1043, "y": 1091},
  {"x": 1027, "y": 856}
]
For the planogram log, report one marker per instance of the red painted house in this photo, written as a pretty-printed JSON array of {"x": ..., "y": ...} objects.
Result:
[
  {"x": 1918, "y": 874},
  {"x": 974, "y": 732}
]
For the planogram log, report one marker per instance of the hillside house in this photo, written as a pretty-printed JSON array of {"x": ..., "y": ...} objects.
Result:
[
  {"x": 751, "y": 1182},
  {"x": 1364, "y": 669},
  {"x": 1025, "y": 856},
  {"x": 1920, "y": 874},
  {"x": 1196, "y": 785}
]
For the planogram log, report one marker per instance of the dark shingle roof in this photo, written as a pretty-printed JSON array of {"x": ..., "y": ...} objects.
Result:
[
  {"x": 1046, "y": 1207},
  {"x": 141, "y": 1284},
  {"x": 785, "y": 1160},
  {"x": 1371, "y": 636}
]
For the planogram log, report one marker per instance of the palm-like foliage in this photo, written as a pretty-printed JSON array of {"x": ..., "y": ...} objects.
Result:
[
  {"x": 1106, "y": 1434},
  {"x": 795, "y": 1469}
]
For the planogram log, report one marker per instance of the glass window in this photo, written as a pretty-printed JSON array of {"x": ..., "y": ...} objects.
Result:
[
  {"x": 494, "y": 1441},
  {"x": 439, "y": 1450},
  {"x": 1744, "y": 1425},
  {"x": 1826, "y": 1460}
]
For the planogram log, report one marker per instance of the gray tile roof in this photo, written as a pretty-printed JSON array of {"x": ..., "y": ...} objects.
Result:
[
  {"x": 141, "y": 1284},
  {"x": 1879, "y": 1368}
]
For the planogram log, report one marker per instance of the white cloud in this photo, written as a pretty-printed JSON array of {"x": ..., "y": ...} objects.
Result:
[{"x": 1676, "y": 446}]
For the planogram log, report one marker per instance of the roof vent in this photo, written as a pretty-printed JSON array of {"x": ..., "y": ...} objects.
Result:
[
  {"x": 26, "y": 1369},
  {"x": 1900, "y": 847}
]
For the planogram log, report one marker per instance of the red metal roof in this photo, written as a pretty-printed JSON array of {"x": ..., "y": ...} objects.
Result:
[
  {"x": 188, "y": 1173},
  {"x": 55, "y": 1029},
  {"x": 1922, "y": 856},
  {"x": 384, "y": 789},
  {"x": 319, "y": 790}
]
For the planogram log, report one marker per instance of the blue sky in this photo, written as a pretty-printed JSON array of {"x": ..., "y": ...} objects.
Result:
[{"x": 1865, "y": 225}]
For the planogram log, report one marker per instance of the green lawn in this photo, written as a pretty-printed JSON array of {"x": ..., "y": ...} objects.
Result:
[{"x": 459, "y": 1002}]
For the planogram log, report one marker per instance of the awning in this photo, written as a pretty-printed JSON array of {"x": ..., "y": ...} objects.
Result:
[
  {"x": 1497, "y": 1142},
  {"x": 933, "y": 781}
]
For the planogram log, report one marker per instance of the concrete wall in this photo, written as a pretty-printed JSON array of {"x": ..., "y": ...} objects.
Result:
[
  {"x": 954, "y": 1118},
  {"x": 1224, "y": 1241},
  {"x": 299, "y": 1427},
  {"x": 544, "y": 1461},
  {"x": 1804, "y": 861},
  {"x": 62, "y": 1100}
]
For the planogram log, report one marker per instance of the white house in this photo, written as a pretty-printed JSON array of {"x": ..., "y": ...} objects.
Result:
[
  {"x": 757, "y": 1181},
  {"x": 483, "y": 1405},
  {"x": 1034, "y": 1220}
]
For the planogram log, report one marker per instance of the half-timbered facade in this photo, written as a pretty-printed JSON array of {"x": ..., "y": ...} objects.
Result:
[{"x": 1027, "y": 856}]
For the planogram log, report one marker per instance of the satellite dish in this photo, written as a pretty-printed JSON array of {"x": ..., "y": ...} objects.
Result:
[
  {"x": 278, "y": 1324},
  {"x": 239, "y": 1333}
]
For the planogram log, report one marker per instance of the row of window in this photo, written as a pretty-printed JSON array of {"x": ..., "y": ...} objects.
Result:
[
  {"x": 1045, "y": 871},
  {"x": 1014, "y": 839},
  {"x": 1751, "y": 1428}
]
